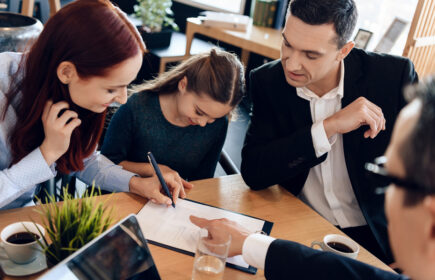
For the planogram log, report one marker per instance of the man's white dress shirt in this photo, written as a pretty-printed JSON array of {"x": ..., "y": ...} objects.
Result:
[
  {"x": 328, "y": 189},
  {"x": 255, "y": 248}
]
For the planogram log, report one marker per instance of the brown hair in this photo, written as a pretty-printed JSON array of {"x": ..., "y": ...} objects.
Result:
[
  {"x": 218, "y": 74},
  {"x": 342, "y": 13},
  {"x": 93, "y": 35}
]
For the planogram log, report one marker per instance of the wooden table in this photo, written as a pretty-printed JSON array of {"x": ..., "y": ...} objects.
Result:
[
  {"x": 261, "y": 40},
  {"x": 292, "y": 219}
]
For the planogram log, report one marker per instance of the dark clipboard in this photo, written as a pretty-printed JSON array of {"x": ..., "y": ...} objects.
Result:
[{"x": 267, "y": 227}]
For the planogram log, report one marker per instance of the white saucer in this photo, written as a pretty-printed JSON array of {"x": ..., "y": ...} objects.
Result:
[{"x": 12, "y": 269}]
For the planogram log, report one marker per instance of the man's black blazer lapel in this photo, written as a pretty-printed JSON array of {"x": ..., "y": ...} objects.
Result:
[
  {"x": 299, "y": 109},
  {"x": 353, "y": 88},
  {"x": 355, "y": 145},
  {"x": 293, "y": 113}
]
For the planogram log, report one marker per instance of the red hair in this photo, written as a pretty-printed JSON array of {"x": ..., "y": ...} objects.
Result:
[{"x": 93, "y": 35}]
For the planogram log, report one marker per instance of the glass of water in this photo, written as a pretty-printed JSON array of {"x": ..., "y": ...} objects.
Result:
[{"x": 210, "y": 256}]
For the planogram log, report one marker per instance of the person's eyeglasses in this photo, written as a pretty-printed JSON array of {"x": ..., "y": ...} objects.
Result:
[{"x": 382, "y": 179}]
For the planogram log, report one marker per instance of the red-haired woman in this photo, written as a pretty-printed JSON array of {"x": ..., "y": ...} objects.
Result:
[{"x": 53, "y": 101}]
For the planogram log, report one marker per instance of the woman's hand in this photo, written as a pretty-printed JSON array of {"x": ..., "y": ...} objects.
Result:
[
  {"x": 152, "y": 189},
  {"x": 57, "y": 129},
  {"x": 169, "y": 175},
  {"x": 144, "y": 169}
]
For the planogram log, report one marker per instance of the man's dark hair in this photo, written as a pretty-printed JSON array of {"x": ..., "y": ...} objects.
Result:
[
  {"x": 418, "y": 150},
  {"x": 342, "y": 13}
]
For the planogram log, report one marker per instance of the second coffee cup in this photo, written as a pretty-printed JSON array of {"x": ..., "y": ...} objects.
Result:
[{"x": 338, "y": 244}]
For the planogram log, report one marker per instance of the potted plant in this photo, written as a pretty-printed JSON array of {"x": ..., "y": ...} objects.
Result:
[
  {"x": 72, "y": 224},
  {"x": 157, "y": 23}
]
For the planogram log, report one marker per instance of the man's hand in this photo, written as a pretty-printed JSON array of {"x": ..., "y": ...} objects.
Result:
[
  {"x": 216, "y": 228},
  {"x": 358, "y": 113}
]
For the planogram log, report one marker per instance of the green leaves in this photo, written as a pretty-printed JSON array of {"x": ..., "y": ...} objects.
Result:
[
  {"x": 154, "y": 14},
  {"x": 72, "y": 223}
]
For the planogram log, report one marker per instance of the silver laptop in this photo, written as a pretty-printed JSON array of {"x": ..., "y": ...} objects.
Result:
[{"x": 119, "y": 253}]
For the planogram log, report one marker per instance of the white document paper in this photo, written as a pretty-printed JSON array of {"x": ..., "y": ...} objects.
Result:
[{"x": 172, "y": 227}]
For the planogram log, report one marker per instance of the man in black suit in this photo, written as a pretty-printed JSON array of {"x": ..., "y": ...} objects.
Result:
[
  {"x": 321, "y": 112},
  {"x": 410, "y": 208}
]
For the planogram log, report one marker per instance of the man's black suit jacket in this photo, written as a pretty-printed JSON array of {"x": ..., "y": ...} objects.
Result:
[
  {"x": 290, "y": 260},
  {"x": 278, "y": 146}
]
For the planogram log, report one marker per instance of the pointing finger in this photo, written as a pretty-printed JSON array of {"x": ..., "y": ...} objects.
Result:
[{"x": 200, "y": 222}]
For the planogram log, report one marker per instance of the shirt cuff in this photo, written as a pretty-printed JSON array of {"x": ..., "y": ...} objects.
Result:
[
  {"x": 121, "y": 183},
  {"x": 255, "y": 248},
  {"x": 105, "y": 174},
  {"x": 116, "y": 180},
  {"x": 321, "y": 142}
]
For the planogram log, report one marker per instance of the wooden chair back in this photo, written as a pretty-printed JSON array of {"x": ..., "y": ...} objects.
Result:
[
  {"x": 420, "y": 46},
  {"x": 28, "y": 5}
]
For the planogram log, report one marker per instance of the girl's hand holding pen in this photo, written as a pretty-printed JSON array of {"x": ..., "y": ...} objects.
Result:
[
  {"x": 173, "y": 195},
  {"x": 151, "y": 189},
  {"x": 171, "y": 175}
]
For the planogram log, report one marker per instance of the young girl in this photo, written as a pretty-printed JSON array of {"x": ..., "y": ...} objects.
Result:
[
  {"x": 181, "y": 117},
  {"x": 53, "y": 102}
]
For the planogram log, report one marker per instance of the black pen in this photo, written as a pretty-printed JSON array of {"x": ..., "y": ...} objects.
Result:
[{"x": 153, "y": 162}]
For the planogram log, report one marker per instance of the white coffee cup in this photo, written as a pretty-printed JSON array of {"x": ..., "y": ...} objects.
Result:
[
  {"x": 328, "y": 241},
  {"x": 21, "y": 253}
]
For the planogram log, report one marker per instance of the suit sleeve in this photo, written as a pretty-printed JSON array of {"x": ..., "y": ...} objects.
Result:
[
  {"x": 409, "y": 75},
  {"x": 207, "y": 167},
  {"x": 119, "y": 135},
  {"x": 268, "y": 156},
  {"x": 291, "y": 260}
]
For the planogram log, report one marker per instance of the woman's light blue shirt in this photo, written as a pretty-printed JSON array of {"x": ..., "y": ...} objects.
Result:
[{"x": 18, "y": 182}]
